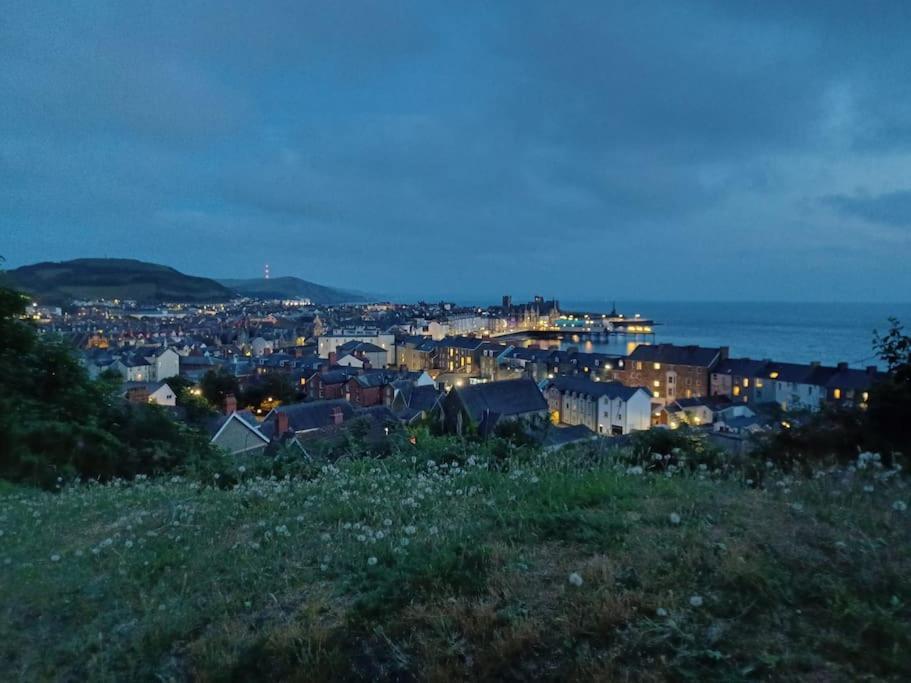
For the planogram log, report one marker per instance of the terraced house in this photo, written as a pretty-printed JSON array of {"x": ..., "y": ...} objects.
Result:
[
  {"x": 607, "y": 408},
  {"x": 670, "y": 371}
]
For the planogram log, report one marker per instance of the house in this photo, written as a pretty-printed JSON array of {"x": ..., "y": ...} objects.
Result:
[
  {"x": 309, "y": 416},
  {"x": 330, "y": 383},
  {"x": 412, "y": 402},
  {"x": 237, "y": 432},
  {"x": 607, "y": 408},
  {"x": 329, "y": 343},
  {"x": 158, "y": 393},
  {"x": 368, "y": 353},
  {"x": 459, "y": 354},
  {"x": 670, "y": 371},
  {"x": 415, "y": 353},
  {"x": 695, "y": 411},
  {"x": 485, "y": 405}
]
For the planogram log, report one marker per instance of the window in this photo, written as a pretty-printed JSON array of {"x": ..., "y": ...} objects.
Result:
[
  {"x": 657, "y": 366},
  {"x": 837, "y": 394},
  {"x": 866, "y": 396},
  {"x": 656, "y": 383},
  {"x": 736, "y": 390},
  {"x": 746, "y": 382},
  {"x": 670, "y": 379},
  {"x": 638, "y": 364}
]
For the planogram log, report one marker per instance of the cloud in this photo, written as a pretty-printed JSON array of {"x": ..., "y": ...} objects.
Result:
[
  {"x": 889, "y": 208},
  {"x": 505, "y": 142}
]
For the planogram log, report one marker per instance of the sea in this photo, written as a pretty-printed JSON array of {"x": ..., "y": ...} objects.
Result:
[{"x": 787, "y": 332}]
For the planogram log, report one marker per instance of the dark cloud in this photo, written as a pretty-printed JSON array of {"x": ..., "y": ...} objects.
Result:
[
  {"x": 889, "y": 208},
  {"x": 464, "y": 151}
]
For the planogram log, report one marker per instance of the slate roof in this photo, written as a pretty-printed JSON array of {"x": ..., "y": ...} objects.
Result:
[
  {"x": 509, "y": 397},
  {"x": 741, "y": 367},
  {"x": 562, "y": 436},
  {"x": 672, "y": 354},
  {"x": 589, "y": 387},
  {"x": 306, "y": 416},
  {"x": 215, "y": 423}
]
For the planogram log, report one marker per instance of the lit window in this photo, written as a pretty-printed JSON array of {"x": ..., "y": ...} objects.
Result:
[
  {"x": 837, "y": 394},
  {"x": 736, "y": 390},
  {"x": 746, "y": 382},
  {"x": 638, "y": 364},
  {"x": 656, "y": 383},
  {"x": 657, "y": 393},
  {"x": 773, "y": 374},
  {"x": 657, "y": 366},
  {"x": 866, "y": 396}
]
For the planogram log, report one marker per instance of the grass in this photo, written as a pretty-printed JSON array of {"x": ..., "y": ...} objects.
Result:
[{"x": 412, "y": 568}]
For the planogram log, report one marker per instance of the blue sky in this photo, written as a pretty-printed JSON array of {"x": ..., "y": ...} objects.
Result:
[{"x": 655, "y": 150}]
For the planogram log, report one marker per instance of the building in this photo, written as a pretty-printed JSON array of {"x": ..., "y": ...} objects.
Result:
[
  {"x": 607, "y": 408},
  {"x": 158, "y": 393},
  {"x": 416, "y": 353},
  {"x": 670, "y": 371},
  {"x": 329, "y": 343},
  {"x": 483, "y": 406},
  {"x": 366, "y": 352}
]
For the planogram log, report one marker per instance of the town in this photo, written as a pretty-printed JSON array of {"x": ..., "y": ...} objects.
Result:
[{"x": 280, "y": 371}]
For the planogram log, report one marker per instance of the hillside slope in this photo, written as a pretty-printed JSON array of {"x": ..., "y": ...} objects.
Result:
[
  {"x": 440, "y": 565},
  {"x": 91, "y": 278},
  {"x": 291, "y": 288}
]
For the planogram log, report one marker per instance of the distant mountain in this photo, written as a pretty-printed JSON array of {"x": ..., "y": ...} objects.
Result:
[
  {"x": 101, "y": 278},
  {"x": 291, "y": 288}
]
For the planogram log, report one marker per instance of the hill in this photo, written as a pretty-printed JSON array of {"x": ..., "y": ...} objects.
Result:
[
  {"x": 436, "y": 565},
  {"x": 291, "y": 288},
  {"x": 100, "y": 278}
]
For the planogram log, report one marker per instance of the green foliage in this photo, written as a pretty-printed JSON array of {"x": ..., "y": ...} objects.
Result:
[
  {"x": 217, "y": 384},
  {"x": 890, "y": 401},
  {"x": 57, "y": 424}
]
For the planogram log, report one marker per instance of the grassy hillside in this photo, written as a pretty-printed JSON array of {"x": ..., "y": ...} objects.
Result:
[
  {"x": 289, "y": 288},
  {"x": 114, "y": 279},
  {"x": 448, "y": 565}
]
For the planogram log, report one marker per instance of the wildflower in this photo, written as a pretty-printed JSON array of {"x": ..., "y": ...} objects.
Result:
[
  {"x": 361, "y": 538},
  {"x": 241, "y": 469},
  {"x": 323, "y": 567},
  {"x": 575, "y": 579},
  {"x": 410, "y": 530},
  {"x": 387, "y": 522},
  {"x": 675, "y": 518},
  {"x": 634, "y": 470},
  {"x": 433, "y": 531},
  {"x": 661, "y": 612},
  {"x": 404, "y": 542},
  {"x": 379, "y": 535},
  {"x": 696, "y": 601},
  {"x": 128, "y": 543},
  {"x": 899, "y": 506},
  {"x": 868, "y": 488},
  {"x": 371, "y": 561},
  {"x": 55, "y": 558}
]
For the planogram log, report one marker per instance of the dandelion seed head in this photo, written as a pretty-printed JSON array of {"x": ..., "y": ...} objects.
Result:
[
  {"x": 575, "y": 579},
  {"x": 696, "y": 601}
]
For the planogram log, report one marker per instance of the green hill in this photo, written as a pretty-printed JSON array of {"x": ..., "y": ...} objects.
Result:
[
  {"x": 91, "y": 278},
  {"x": 291, "y": 288},
  {"x": 436, "y": 565}
]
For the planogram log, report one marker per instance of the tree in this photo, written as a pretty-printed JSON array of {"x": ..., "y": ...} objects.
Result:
[
  {"x": 216, "y": 384},
  {"x": 889, "y": 406}
]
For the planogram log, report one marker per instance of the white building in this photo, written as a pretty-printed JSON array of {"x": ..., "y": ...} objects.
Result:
[{"x": 329, "y": 343}]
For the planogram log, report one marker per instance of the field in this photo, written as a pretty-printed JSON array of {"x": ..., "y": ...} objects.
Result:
[{"x": 452, "y": 564}]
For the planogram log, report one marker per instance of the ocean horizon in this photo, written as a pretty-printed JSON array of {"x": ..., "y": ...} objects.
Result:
[{"x": 799, "y": 332}]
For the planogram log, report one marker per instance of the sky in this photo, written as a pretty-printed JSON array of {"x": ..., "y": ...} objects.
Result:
[{"x": 603, "y": 150}]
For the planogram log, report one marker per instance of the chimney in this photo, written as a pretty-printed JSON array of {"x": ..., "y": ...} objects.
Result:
[
  {"x": 336, "y": 417},
  {"x": 281, "y": 422},
  {"x": 230, "y": 404},
  {"x": 332, "y": 358},
  {"x": 725, "y": 351},
  {"x": 842, "y": 366}
]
